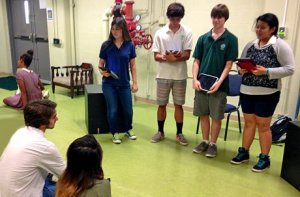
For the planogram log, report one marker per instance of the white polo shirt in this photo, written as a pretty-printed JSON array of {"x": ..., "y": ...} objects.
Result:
[
  {"x": 25, "y": 163},
  {"x": 166, "y": 40}
]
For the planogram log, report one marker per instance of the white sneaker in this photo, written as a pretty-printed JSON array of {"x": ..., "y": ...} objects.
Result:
[
  {"x": 116, "y": 139},
  {"x": 130, "y": 134}
]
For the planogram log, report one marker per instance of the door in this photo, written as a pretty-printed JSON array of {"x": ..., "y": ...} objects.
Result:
[{"x": 28, "y": 30}]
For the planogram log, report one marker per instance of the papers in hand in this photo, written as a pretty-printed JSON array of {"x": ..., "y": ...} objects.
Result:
[{"x": 246, "y": 63}]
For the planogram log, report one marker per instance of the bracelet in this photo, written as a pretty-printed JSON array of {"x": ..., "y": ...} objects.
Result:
[{"x": 267, "y": 72}]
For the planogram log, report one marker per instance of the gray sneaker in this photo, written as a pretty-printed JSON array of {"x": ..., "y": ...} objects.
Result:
[
  {"x": 181, "y": 139},
  {"x": 211, "y": 151},
  {"x": 202, "y": 147},
  {"x": 159, "y": 136}
]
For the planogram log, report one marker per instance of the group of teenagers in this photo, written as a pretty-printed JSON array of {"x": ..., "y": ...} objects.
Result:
[{"x": 214, "y": 54}]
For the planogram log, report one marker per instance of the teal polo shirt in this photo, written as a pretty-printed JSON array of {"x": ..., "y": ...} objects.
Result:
[{"x": 213, "y": 54}]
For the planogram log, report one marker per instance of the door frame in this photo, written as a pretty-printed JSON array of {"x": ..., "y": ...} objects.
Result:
[{"x": 14, "y": 56}]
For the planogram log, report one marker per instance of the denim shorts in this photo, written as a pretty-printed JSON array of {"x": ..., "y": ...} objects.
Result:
[
  {"x": 210, "y": 104},
  {"x": 260, "y": 105},
  {"x": 164, "y": 86}
]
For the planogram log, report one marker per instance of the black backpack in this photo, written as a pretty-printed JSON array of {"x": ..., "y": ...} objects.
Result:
[{"x": 279, "y": 128}]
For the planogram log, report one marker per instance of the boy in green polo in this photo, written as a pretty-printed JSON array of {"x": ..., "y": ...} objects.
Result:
[{"x": 214, "y": 54}]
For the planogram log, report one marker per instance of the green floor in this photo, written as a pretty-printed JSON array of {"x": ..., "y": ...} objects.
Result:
[{"x": 141, "y": 168}]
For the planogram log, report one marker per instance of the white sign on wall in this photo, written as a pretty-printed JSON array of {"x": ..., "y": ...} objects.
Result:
[{"x": 49, "y": 14}]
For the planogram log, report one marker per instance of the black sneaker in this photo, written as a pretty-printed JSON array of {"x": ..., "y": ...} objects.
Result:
[
  {"x": 262, "y": 164},
  {"x": 242, "y": 156}
]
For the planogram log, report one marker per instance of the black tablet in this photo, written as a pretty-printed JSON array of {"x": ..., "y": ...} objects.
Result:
[
  {"x": 206, "y": 81},
  {"x": 112, "y": 74}
]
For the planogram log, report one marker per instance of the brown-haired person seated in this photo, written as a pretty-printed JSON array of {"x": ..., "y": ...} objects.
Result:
[
  {"x": 84, "y": 175},
  {"x": 28, "y": 81},
  {"x": 29, "y": 157}
]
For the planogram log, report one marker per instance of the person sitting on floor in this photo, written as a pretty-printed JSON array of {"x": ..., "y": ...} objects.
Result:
[
  {"x": 29, "y": 157},
  {"x": 29, "y": 84},
  {"x": 84, "y": 175}
]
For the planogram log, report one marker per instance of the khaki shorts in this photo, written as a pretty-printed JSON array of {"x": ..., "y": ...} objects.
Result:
[
  {"x": 164, "y": 86},
  {"x": 210, "y": 104}
]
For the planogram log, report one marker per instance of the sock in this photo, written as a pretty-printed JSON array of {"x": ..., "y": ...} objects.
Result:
[
  {"x": 206, "y": 141},
  {"x": 161, "y": 125},
  {"x": 179, "y": 127}
]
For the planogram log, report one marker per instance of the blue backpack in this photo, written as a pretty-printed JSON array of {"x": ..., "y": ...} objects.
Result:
[{"x": 279, "y": 129}]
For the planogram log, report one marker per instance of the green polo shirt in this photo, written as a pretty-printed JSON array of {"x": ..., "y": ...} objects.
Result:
[{"x": 213, "y": 54}]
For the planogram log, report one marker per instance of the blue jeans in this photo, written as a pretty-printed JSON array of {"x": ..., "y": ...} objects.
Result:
[
  {"x": 49, "y": 188},
  {"x": 115, "y": 97}
]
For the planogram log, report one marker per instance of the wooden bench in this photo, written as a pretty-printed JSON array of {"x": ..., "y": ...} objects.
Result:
[{"x": 72, "y": 77}]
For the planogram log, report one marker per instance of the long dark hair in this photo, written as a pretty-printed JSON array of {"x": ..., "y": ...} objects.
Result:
[
  {"x": 121, "y": 23},
  {"x": 84, "y": 167},
  {"x": 27, "y": 57},
  {"x": 271, "y": 20}
]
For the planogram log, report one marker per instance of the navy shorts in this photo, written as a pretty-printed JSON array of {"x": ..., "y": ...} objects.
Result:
[{"x": 260, "y": 105}]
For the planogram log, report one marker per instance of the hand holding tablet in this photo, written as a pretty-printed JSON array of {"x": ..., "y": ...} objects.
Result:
[
  {"x": 246, "y": 63},
  {"x": 112, "y": 74},
  {"x": 206, "y": 81}
]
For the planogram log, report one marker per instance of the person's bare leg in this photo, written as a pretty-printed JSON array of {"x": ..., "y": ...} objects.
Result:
[
  {"x": 215, "y": 130},
  {"x": 265, "y": 135},
  {"x": 161, "y": 112},
  {"x": 205, "y": 126},
  {"x": 249, "y": 130},
  {"x": 178, "y": 114}
]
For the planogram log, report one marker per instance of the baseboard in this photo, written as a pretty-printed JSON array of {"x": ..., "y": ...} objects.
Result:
[{"x": 3, "y": 74}]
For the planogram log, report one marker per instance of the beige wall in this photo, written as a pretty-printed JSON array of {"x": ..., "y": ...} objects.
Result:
[
  {"x": 290, "y": 89},
  {"x": 60, "y": 27},
  {"x": 82, "y": 35},
  {"x": 5, "y": 65}
]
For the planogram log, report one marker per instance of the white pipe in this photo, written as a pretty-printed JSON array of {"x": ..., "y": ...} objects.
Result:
[
  {"x": 141, "y": 11},
  {"x": 105, "y": 18},
  {"x": 163, "y": 8},
  {"x": 56, "y": 19},
  {"x": 285, "y": 12},
  {"x": 150, "y": 7},
  {"x": 72, "y": 32}
]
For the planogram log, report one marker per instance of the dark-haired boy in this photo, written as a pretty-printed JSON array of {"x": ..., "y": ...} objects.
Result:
[{"x": 172, "y": 47}]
